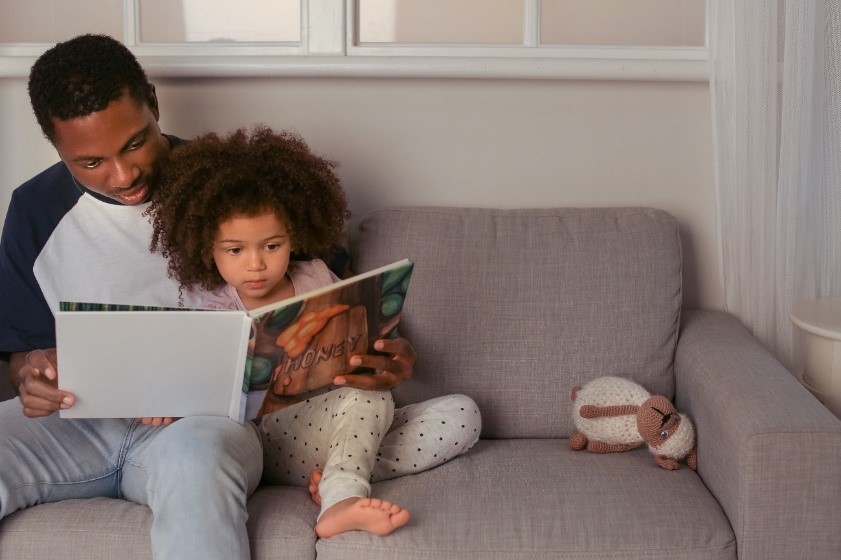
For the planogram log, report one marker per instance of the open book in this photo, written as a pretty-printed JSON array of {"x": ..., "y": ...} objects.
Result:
[{"x": 132, "y": 361}]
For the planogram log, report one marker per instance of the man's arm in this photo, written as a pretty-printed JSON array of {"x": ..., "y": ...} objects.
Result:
[
  {"x": 34, "y": 376},
  {"x": 16, "y": 361}
]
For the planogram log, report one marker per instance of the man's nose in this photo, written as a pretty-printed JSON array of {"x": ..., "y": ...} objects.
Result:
[{"x": 124, "y": 173}]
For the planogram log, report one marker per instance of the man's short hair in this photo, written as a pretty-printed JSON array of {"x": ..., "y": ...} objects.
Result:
[{"x": 81, "y": 76}]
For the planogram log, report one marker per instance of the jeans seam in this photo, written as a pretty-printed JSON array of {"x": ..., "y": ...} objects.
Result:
[
  {"x": 65, "y": 483},
  {"x": 122, "y": 456}
]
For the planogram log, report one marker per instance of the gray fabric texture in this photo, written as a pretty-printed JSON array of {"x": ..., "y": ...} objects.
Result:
[
  {"x": 516, "y": 307},
  {"x": 537, "y": 499},
  {"x": 280, "y": 526},
  {"x": 95, "y": 529},
  {"x": 766, "y": 449}
]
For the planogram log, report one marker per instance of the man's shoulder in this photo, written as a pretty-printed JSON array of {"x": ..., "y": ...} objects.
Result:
[{"x": 51, "y": 188}]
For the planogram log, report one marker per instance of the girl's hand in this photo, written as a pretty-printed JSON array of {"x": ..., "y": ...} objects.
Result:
[
  {"x": 391, "y": 369},
  {"x": 157, "y": 421}
]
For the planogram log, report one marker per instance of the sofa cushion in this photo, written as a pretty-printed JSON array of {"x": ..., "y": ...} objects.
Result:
[
  {"x": 280, "y": 526},
  {"x": 537, "y": 499},
  {"x": 516, "y": 307}
]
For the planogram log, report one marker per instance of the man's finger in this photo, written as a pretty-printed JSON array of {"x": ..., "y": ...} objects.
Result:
[{"x": 43, "y": 363}]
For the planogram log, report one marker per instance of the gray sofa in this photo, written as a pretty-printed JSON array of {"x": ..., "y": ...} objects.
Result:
[{"x": 514, "y": 308}]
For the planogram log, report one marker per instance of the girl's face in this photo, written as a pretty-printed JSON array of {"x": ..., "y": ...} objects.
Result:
[{"x": 252, "y": 254}]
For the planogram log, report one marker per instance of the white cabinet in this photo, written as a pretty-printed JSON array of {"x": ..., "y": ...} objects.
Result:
[{"x": 820, "y": 322}]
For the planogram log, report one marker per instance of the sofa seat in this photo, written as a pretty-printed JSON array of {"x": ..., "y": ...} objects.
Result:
[
  {"x": 533, "y": 499},
  {"x": 516, "y": 499},
  {"x": 281, "y": 521}
]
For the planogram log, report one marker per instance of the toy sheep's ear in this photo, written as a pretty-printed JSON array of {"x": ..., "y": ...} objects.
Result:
[{"x": 574, "y": 392}]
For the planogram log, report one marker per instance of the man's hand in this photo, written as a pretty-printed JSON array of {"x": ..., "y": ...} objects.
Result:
[
  {"x": 35, "y": 375},
  {"x": 390, "y": 370}
]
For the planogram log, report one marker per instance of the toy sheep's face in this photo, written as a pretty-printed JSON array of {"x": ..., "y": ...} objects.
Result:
[{"x": 657, "y": 420}]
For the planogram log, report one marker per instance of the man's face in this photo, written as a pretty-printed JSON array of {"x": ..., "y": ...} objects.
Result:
[{"x": 116, "y": 152}]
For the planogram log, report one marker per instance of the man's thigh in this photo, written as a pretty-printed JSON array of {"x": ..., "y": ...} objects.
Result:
[
  {"x": 50, "y": 459},
  {"x": 189, "y": 454}
]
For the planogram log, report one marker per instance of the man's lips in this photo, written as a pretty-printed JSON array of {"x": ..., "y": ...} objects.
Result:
[{"x": 133, "y": 195}]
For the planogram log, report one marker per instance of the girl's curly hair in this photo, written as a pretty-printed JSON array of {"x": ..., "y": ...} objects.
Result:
[{"x": 212, "y": 179}]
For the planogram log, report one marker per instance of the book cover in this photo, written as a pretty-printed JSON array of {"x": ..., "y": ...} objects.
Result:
[
  {"x": 133, "y": 361},
  {"x": 299, "y": 345},
  {"x": 130, "y": 364}
]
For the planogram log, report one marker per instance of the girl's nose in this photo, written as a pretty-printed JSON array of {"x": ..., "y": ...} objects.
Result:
[{"x": 256, "y": 262}]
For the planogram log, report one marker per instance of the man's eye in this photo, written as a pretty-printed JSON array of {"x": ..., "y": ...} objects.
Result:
[
  {"x": 91, "y": 164},
  {"x": 137, "y": 144}
]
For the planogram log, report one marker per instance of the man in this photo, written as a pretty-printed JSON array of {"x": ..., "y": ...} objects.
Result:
[{"x": 76, "y": 232}]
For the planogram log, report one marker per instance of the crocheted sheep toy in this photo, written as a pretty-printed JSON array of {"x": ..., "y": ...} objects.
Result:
[
  {"x": 605, "y": 415},
  {"x": 614, "y": 414},
  {"x": 668, "y": 433}
]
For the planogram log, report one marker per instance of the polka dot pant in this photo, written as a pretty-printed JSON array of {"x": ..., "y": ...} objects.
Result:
[
  {"x": 358, "y": 437},
  {"x": 339, "y": 431}
]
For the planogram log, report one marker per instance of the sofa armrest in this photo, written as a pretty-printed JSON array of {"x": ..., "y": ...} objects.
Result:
[{"x": 767, "y": 449}]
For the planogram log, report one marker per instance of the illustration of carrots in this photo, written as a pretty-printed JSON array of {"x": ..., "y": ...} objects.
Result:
[{"x": 297, "y": 336}]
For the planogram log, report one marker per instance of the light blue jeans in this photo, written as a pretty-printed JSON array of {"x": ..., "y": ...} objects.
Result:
[{"x": 195, "y": 474}]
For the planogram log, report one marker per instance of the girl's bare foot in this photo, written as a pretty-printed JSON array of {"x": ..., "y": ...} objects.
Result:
[
  {"x": 361, "y": 514},
  {"x": 312, "y": 486}
]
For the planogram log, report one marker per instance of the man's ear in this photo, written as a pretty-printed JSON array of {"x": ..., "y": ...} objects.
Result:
[{"x": 152, "y": 101}]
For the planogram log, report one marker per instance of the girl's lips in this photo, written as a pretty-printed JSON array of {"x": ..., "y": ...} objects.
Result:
[{"x": 255, "y": 284}]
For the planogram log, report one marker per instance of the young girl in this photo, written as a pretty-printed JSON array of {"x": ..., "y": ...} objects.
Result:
[{"x": 230, "y": 214}]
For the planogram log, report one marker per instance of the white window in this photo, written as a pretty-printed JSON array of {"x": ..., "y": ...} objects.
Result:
[{"x": 611, "y": 39}]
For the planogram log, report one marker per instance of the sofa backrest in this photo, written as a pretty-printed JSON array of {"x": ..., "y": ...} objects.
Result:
[{"x": 516, "y": 307}]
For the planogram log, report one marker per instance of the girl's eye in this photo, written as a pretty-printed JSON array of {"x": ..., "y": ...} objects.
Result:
[
  {"x": 233, "y": 251},
  {"x": 272, "y": 246}
]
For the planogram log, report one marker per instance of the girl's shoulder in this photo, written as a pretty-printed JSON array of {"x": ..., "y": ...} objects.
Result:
[
  {"x": 310, "y": 275},
  {"x": 223, "y": 298}
]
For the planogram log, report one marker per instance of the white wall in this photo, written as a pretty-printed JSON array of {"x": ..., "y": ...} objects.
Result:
[{"x": 492, "y": 143}]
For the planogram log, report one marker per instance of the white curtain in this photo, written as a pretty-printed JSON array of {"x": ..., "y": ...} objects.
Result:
[{"x": 776, "y": 90}]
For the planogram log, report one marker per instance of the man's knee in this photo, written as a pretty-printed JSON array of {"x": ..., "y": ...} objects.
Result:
[{"x": 205, "y": 447}]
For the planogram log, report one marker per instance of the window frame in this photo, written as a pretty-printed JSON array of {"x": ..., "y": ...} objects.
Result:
[{"x": 328, "y": 49}]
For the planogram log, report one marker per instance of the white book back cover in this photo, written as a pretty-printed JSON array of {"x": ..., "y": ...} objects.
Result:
[{"x": 131, "y": 364}]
